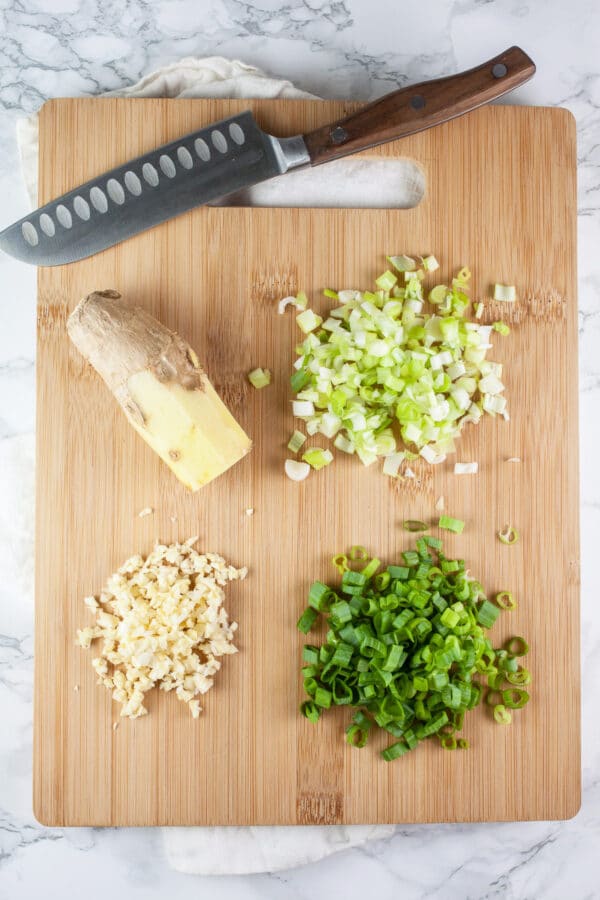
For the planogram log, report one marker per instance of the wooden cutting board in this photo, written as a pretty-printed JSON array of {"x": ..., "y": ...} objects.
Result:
[{"x": 500, "y": 198}]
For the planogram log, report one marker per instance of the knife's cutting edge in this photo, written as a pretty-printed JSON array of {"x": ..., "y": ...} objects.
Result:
[{"x": 199, "y": 167}]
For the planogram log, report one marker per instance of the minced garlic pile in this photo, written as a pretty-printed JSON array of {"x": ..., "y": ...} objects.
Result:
[{"x": 162, "y": 621}]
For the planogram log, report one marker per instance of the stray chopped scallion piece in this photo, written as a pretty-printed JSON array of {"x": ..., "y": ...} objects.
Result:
[
  {"x": 430, "y": 263},
  {"x": 501, "y": 327},
  {"x": 514, "y": 698},
  {"x": 402, "y": 263},
  {"x": 296, "y": 441},
  {"x": 509, "y": 535},
  {"x": 392, "y": 463},
  {"x": 341, "y": 562},
  {"x": 308, "y": 320},
  {"x": 505, "y": 293},
  {"x": 450, "y": 524},
  {"x": 300, "y": 301},
  {"x": 415, "y": 525},
  {"x": 517, "y": 646},
  {"x": 470, "y": 468},
  {"x": 358, "y": 553},
  {"x": 295, "y": 470},
  {"x": 502, "y": 715},
  {"x": 317, "y": 458},
  {"x": 386, "y": 281},
  {"x": 259, "y": 378},
  {"x": 505, "y": 600},
  {"x": 438, "y": 294}
]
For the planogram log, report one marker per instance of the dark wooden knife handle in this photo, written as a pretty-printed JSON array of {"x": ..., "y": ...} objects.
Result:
[{"x": 420, "y": 106}]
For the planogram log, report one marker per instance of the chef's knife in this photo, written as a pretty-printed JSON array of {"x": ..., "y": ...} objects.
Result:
[{"x": 235, "y": 153}]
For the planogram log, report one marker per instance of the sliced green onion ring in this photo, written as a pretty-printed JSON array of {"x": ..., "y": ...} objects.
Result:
[
  {"x": 505, "y": 600},
  {"x": 517, "y": 646},
  {"x": 341, "y": 562},
  {"x": 513, "y": 698},
  {"x": 521, "y": 677},
  {"x": 509, "y": 535},
  {"x": 358, "y": 553},
  {"x": 414, "y": 525},
  {"x": 502, "y": 715}
]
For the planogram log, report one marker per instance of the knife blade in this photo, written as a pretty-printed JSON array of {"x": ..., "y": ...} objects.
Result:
[{"x": 236, "y": 153}]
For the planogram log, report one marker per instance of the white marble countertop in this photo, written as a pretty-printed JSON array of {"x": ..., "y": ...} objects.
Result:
[{"x": 344, "y": 48}]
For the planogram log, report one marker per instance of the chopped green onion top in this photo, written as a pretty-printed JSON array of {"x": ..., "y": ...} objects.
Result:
[
  {"x": 296, "y": 441},
  {"x": 407, "y": 649},
  {"x": 501, "y": 327},
  {"x": 259, "y": 378},
  {"x": 509, "y": 535},
  {"x": 450, "y": 524},
  {"x": 383, "y": 375}
]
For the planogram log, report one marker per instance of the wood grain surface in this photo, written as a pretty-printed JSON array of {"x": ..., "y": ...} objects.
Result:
[{"x": 501, "y": 198}]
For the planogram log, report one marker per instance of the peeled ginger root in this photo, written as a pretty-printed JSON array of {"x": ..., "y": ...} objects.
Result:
[{"x": 161, "y": 387}]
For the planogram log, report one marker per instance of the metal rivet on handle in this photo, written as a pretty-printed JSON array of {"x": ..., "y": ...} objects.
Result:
[
  {"x": 132, "y": 183},
  {"x": 82, "y": 208},
  {"x": 29, "y": 234},
  {"x": 202, "y": 149},
  {"x": 338, "y": 134},
  {"x": 64, "y": 216},
  {"x": 185, "y": 157},
  {"x": 115, "y": 191},
  {"x": 47, "y": 225},
  {"x": 499, "y": 70},
  {"x": 98, "y": 199},
  {"x": 418, "y": 101},
  {"x": 219, "y": 141}
]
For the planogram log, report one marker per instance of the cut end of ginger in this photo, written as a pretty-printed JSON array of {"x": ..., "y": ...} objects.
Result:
[{"x": 159, "y": 383}]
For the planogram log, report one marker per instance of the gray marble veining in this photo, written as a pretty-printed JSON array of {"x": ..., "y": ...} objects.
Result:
[{"x": 351, "y": 48}]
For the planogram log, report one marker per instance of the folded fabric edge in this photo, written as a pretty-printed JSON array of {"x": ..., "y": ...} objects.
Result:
[{"x": 251, "y": 850}]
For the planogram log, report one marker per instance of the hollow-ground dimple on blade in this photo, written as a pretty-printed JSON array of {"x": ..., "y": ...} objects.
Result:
[{"x": 197, "y": 168}]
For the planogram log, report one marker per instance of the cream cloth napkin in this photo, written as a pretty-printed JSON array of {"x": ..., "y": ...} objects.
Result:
[{"x": 223, "y": 850}]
